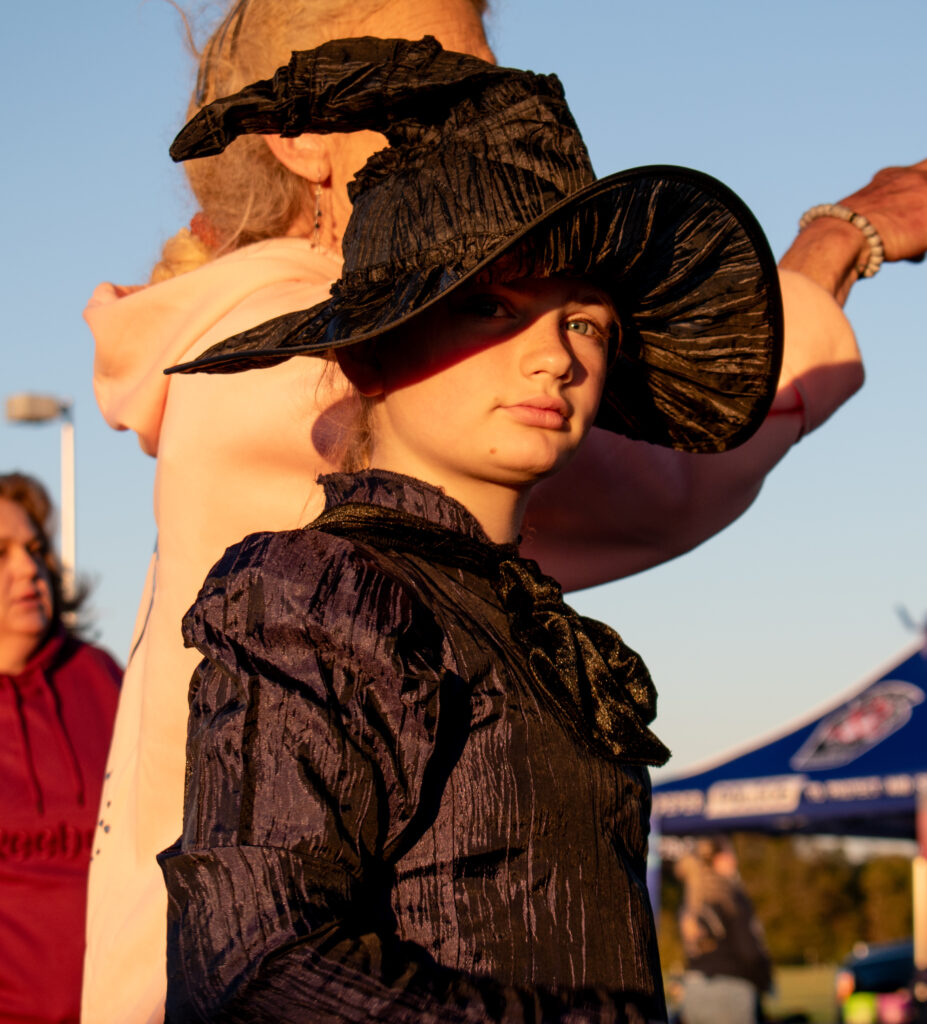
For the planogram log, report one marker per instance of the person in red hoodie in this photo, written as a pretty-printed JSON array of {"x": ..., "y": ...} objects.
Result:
[{"x": 58, "y": 699}]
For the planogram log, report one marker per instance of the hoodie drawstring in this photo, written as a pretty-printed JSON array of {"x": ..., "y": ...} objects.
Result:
[
  {"x": 65, "y": 742},
  {"x": 28, "y": 759}
]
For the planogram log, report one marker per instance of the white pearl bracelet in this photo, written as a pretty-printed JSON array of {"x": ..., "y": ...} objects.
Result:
[{"x": 876, "y": 250}]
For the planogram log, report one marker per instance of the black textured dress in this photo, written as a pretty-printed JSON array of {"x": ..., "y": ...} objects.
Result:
[{"x": 415, "y": 783}]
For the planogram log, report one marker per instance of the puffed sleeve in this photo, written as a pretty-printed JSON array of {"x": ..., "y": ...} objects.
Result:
[{"x": 317, "y": 719}]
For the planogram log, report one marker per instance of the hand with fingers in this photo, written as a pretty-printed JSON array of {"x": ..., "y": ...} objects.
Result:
[
  {"x": 884, "y": 220},
  {"x": 895, "y": 203}
]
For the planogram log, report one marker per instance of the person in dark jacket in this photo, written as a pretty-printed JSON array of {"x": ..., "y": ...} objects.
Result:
[
  {"x": 417, "y": 784},
  {"x": 727, "y": 963},
  {"x": 57, "y": 703}
]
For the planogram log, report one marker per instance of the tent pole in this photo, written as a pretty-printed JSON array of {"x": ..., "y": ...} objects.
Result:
[
  {"x": 919, "y": 884},
  {"x": 919, "y": 898},
  {"x": 919, "y": 891}
]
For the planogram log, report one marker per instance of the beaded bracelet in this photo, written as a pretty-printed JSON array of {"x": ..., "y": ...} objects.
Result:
[{"x": 876, "y": 250}]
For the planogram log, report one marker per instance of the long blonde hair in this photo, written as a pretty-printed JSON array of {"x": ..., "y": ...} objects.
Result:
[{"x": 245, "y": 194}]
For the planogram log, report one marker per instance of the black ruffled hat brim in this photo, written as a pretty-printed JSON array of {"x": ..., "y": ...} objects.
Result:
[{"x": 687, "y": 267}]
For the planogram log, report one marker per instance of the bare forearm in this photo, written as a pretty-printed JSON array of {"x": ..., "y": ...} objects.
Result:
[{"x": 828, "y": 252}]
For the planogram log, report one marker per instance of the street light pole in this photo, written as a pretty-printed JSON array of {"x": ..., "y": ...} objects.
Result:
[
  {"x": 31, "y": 408},
  {"x": 68, "y": 504}
]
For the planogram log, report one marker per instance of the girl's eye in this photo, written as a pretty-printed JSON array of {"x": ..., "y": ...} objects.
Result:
[
  {"x": 587, "y": 327},
  {"x": 486, "y": 306}
]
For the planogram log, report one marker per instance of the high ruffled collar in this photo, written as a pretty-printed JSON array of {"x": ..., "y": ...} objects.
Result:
[
  {"x": 602, "y": 687},
  {"x": 407, "y": 494}
]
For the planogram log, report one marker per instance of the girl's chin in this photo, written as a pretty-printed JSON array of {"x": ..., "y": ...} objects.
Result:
[
  {"x": 533, "y": 467},
  {"x": 526, "y": 475},
  {"x": 515, "y": 466}
]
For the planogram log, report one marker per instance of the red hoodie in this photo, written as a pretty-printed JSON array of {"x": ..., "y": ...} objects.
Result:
[{"x": 55, "y": 719}]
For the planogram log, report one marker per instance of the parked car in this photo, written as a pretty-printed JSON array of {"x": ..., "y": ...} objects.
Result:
[{"x": 873, "y": 984}]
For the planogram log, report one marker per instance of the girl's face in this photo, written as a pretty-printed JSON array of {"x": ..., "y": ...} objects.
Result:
[{"x": 499, "y": 383}]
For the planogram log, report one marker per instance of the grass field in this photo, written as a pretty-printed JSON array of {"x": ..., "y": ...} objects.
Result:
[{"x": 807, "y": 990}]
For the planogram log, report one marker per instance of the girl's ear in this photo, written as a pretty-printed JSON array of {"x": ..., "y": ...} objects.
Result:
[
  {"x": 307, "y": 156},
  {"x": 359, "y": 363}
]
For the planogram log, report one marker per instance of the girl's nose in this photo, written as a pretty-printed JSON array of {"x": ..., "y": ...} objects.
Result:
[{"x": 546, "y": 349}]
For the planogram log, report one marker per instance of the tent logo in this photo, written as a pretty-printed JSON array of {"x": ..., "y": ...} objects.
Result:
[{"x": 858, "y": 726}]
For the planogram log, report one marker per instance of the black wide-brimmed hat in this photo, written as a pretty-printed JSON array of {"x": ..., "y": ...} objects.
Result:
[{"x": 487, "y": 161}]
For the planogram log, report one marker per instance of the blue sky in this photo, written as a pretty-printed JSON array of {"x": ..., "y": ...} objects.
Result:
[{"x": 791, "y": 104}]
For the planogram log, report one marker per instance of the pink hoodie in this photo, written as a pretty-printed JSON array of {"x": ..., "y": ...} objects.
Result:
[{"x": 236, "y": 453}]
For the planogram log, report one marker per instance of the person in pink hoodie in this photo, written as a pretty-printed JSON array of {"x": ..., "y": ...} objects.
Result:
[
  {"x": 57, "y": 703},
  {"x": 241, "y": 454}
]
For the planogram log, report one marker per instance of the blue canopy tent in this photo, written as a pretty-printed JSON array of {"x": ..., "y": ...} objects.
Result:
[{"x": 856, "y": 768}]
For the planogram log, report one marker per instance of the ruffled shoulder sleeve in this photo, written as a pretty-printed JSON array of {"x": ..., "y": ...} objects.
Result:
[{"x": 319, "y": 692}]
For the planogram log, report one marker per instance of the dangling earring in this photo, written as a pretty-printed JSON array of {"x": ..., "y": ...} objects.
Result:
[{"x": 317, "y": 221}]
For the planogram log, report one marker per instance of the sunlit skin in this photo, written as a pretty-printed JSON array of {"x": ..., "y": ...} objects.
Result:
[
  {"x": 25, "y": 588},
  {"x": 489, "y": 391}
]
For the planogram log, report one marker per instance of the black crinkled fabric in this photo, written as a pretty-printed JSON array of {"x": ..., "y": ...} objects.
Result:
[{"x": 416, "y": 783}]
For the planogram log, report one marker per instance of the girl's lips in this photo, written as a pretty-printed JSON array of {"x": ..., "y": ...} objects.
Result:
[{"x": 541, "y": 411}]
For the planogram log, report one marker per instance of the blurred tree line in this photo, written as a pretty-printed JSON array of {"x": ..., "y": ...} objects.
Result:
[{"x": 813, "y": 902}]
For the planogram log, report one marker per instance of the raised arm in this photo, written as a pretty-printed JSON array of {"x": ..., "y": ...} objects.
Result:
[{"x": 623, "y": 506}]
